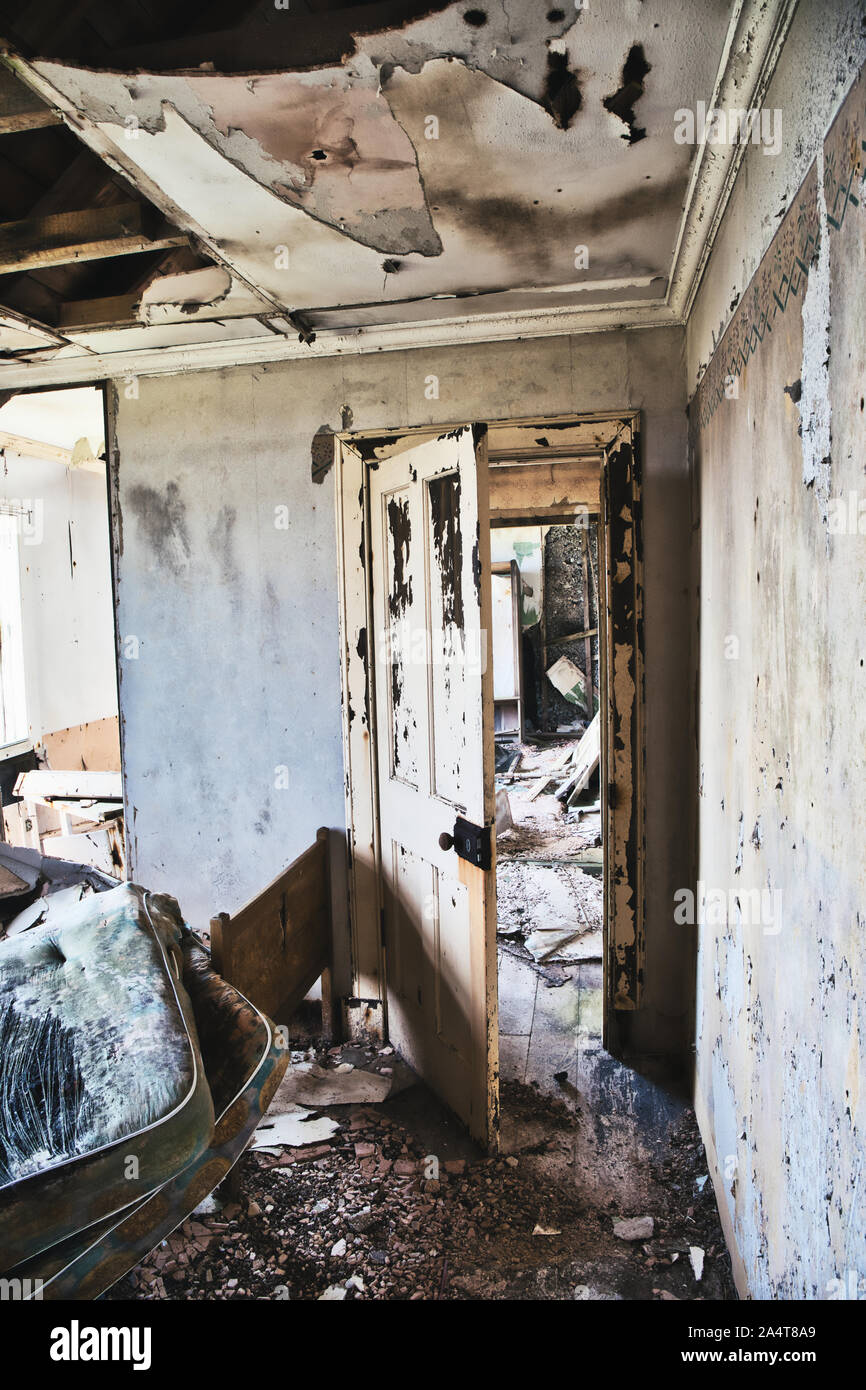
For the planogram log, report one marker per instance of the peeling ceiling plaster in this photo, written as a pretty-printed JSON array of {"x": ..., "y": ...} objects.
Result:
[
  {"x": 326, "y": 142},
  {"x": 336, "y": 164},
  {"x": 552, "y": 180}
]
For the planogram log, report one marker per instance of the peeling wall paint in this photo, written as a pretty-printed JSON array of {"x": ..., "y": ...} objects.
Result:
[
  {"x": 823, "y": 53},
  {"x": 781, "y": 1005},
  {"x": 814, "y": 402}
]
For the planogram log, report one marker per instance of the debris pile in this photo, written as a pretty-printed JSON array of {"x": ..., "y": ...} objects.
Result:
[
  {"x": 549, "y": 859},
  {"x": 371, "y": 1213}
]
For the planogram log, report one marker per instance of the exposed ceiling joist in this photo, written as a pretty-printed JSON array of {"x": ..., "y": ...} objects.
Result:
[
  {"x": 114, "y": 311},
  {"x": 207, "y": 147},
  {"x": 37, "y": 119},
  {"x": 20, "y": 110},
  {"x": 66, "y": 237}
]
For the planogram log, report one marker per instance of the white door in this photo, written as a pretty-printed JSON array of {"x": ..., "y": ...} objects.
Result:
[{"x": 434, "y": 755}]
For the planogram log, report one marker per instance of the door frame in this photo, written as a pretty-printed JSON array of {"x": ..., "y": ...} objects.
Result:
[{"x": 622, "y": 699}]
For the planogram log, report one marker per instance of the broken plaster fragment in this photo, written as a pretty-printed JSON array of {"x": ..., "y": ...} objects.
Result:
[{"x": 634, "y": 1228}]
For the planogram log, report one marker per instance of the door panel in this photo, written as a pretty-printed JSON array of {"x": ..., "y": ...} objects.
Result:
[{"x": 434, "y": 756}]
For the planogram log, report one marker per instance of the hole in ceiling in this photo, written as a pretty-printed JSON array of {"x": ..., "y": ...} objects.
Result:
[
  {"x": 554, "y": 16},
  {"x": 562, "y": 96},
  {"x": 319, "y": 154},
  {"x": 477, "y": 18},
  {"x": 622, "y": 103}
]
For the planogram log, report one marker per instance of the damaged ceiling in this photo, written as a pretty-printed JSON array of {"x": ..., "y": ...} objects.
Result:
[{"x": 328, "y": 178}]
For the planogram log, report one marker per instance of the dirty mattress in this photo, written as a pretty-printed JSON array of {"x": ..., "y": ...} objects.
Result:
[{"x": 101, "y": 1076}]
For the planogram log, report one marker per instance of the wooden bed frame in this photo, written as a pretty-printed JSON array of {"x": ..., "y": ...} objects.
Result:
[{"x": 279, "y": 943}]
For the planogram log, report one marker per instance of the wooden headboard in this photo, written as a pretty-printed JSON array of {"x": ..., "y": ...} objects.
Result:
[{"x": 277, "y": 945}]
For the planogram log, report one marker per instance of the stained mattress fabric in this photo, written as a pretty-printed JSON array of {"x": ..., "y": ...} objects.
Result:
[
  {"x": 244, "y": 1062},
  {"x": 101, "y": 1077}
]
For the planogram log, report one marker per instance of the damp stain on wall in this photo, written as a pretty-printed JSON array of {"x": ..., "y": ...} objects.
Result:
[{"x": 162, "y": 517}]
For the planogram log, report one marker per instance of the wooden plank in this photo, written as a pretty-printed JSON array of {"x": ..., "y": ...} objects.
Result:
[
  {"x": 115, "y": 311},
  {"x": 537, "y": 487},
  {"x": 21, "y": 333},
  {"x": 542, "y": 786},
  {"x": 37, "y": 118},
  {"x": 586, "y": 758},
  {"x": 572, "y": 637},
  {"x": 20, "y": 110},
  {"x": 33, "y": 449},
  {"x": 102, "y": 849},
  {"x": 276, "y": 947},
  {"x": 63, "y": 238},
  {"x": 331, "y": 1023},
  {"x": 356, "y": 622},
  {"x": 64, "y": 786},
  {"x": 94, "y": 744}
]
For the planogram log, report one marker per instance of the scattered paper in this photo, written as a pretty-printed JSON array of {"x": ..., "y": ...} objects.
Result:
[
  {"x": 293, "y": 1128},
  {"x": 307, "y": 1083}
]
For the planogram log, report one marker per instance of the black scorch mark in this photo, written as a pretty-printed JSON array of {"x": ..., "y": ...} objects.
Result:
[
  {"x": 396, "y": 702},
  {"x": 622, "y": 103},
  {"x": 562, "y": 96},
  {"x": 448, "y": 545},
  {"x": 400, "y": 528}
]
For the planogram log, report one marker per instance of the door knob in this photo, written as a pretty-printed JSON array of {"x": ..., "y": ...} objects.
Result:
[{"x": 471, "y": 842}]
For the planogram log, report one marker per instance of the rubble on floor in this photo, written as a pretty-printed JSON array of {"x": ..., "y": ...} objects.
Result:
[
  {"x": 550, "y": 901},
  {"x": 555, "y": 908},
  {"x": 387, "y": 1209},
  {"x": 564, "y": 773}
]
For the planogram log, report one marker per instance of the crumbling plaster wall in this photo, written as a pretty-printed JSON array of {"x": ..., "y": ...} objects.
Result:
[
  {"x": 778, "y": 431},
  {"x": 238, "y": 673}
]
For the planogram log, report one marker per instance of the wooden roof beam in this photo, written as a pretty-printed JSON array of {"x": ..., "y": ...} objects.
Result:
[
  {"x": 20, "y": 109},
  {"x": 66, "y": 237}
]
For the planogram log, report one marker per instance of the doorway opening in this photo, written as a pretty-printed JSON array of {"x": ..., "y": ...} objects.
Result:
[
  {"x": 547, "y": 619},
  {"x": 433, "y": 527},
  {"x": 60, "y": 758}
]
